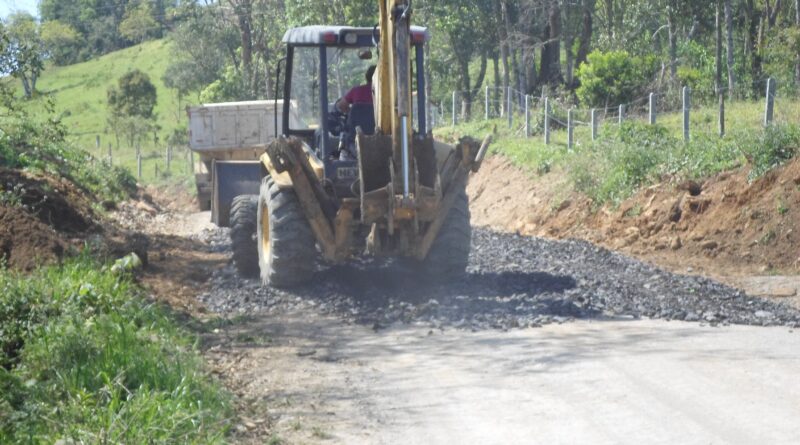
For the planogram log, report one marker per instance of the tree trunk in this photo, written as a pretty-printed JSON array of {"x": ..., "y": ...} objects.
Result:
[
  {"x": 466, "y": 96},
  {"x": 673, "y": 41},
  {"x": 729, "y": 31},
  {"x": 797, "y": 23},
  {"x": 609, "y": 4},
  {"x": 503, "y": 32},
  {"x": 530, "y": 68},
  {"x": 586, "y": 33},
  {"x": 569, "y": 40},
  {"x": 550, "y": 71},
  {"x": 26, "y": 86},
  {"x": 752, "y": 46},
  {"x": 718, "y": 53},
  {"x": 496, "y": 96}
]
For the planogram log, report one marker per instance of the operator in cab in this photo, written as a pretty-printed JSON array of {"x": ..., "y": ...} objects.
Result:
[{"x": 361, "y": 94}]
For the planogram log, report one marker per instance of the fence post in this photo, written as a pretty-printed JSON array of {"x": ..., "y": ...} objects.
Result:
[
  {"x": 454, "y": 108},
  {"x": 686, "y": 108},
  {"x": 486, "y": 103},
  {"x": 594, "y": 124},
  {"x": 138, "y": 149},
  {"x": 652, "y": 118},
  {"x": 721, "y": 122},
  {"x": 570, "y": 128},
  {"x": 139, "y": 167},
  {"x": 621, "y": 114},
  {"x": 110, "y": 154},
  {"x": 527, "y": 116},
  {"x": 97, "y": 142},
  {"x": 546, "y": 121},
  {"x": 510, "y": 112},
  {"x": 433, "y": 117},
  {"x": 769, "y": 112}
]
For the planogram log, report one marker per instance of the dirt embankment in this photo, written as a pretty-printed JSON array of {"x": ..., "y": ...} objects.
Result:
[
  {"x": 723, "y": 227},
  {"x": 44, "y": 219}
]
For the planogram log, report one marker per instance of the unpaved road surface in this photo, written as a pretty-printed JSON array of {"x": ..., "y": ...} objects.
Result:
[{"x": 544, "y": 342}]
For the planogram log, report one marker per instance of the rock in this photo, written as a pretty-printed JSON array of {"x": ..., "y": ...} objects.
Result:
[
  {"x": 763, "y": 314},
  {"x": 676, "y": 243},
  {"x": 709, "y": 245},
  {"x": 783, "y": 292},
  {"x": 146, "y": 208}
]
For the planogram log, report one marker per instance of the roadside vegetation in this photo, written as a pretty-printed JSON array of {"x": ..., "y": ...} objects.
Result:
[
  {"x": 636, "y": 154},
  {"x": 84, "y": 357}
]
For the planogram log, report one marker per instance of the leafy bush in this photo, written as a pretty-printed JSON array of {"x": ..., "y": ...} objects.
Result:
[
  {"x": 40, "y": 145},
  {"x": 613, "y": 78},
  {"x": 621, "y": 161},
  {"x": 85, "y": 359},
  {"x": 770, "y": 148}
]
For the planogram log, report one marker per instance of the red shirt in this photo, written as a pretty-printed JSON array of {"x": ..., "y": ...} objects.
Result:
[{"x": 361, "y": 94}]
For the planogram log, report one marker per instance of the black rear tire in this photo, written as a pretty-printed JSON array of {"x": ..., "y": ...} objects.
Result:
[
  {"x": 286, "y": 245},
  {"x": 243, "y": 235},
  {"x": 449, "y": 254}
]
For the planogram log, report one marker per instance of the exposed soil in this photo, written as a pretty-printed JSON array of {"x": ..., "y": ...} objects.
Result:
[
  {"x": 54, "y": 202},
  {"x": 41, "y": 219},
  {"x": 26, "y": 242},
  {"x": 725, "y": 227}
]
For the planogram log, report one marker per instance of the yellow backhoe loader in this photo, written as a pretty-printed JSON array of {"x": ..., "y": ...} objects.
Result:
[{"x": 368, "y": 182}]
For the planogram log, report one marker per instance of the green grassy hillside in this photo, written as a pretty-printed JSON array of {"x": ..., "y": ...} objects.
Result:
[
  {"x": 80, "y": 90},
  {"x": 79, "y": 95}
]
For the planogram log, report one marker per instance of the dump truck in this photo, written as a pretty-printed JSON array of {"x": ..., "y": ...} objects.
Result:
[
  {"x": 338, "y": 184},
  {"x": 224, "y": 136}
]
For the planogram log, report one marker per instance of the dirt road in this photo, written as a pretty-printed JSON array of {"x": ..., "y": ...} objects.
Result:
[
  {"x": 388, "y": 361},
  {"x": 599, "y": 382}
]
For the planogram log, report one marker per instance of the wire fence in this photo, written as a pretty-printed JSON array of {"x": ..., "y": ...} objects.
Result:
[
  {"x": 147, "y": 164},
  {"x": 540, "y": 115}
]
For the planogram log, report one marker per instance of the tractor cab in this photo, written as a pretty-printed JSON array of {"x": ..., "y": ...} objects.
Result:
[{"x": 322, "y": 64}]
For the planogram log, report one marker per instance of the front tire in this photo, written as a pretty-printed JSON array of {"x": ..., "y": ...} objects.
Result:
[
  {"x": 286, "y": 245},
  {"x": 243, "y": 233}
]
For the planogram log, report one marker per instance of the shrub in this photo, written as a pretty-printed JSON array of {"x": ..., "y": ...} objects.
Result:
[
  {"x": 613, "y": 78},
  {"x": 769, "y": 149},
  {"x": 621, "y": 161}
]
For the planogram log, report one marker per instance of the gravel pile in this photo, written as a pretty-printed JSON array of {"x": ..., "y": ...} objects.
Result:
[{"x": 512, "y": 281}]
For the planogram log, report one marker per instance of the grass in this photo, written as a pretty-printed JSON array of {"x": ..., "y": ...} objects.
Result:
[
  {"x": 78, "y": 93},
  {"x": 625, "y": 158},
  {"x": 86, "y": 359}
]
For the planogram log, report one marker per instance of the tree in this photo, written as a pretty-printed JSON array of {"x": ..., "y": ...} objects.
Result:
[
  {"x": 62, "y": 42},
  {"x": 131, "y": 104},
  {"x": 138, "y": 24},
  {"x": 23, "y": 57}
]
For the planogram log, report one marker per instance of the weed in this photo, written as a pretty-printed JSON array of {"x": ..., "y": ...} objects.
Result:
[
  {"x": 782, "y": 207},
  {"x": 84, "y": 358},
  {"x": 319, "y": 433},
  {"x": 634, "y": 211},
  {"x": 768, "y": 237},
  {"x": 275, "y": 440}
]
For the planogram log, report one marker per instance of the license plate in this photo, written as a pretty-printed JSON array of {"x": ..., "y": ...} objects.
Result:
[{"x": 347, "y": 173}]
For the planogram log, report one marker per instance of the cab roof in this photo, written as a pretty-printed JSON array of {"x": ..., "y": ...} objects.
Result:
[{"x": 336, "y": 35}]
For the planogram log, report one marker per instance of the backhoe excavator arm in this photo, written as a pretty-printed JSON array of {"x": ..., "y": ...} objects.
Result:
[{"x": 394, "y": 80}]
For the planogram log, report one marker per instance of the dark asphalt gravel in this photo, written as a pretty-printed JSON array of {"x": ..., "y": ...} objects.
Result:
[{"x": 512, "y": 281}]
